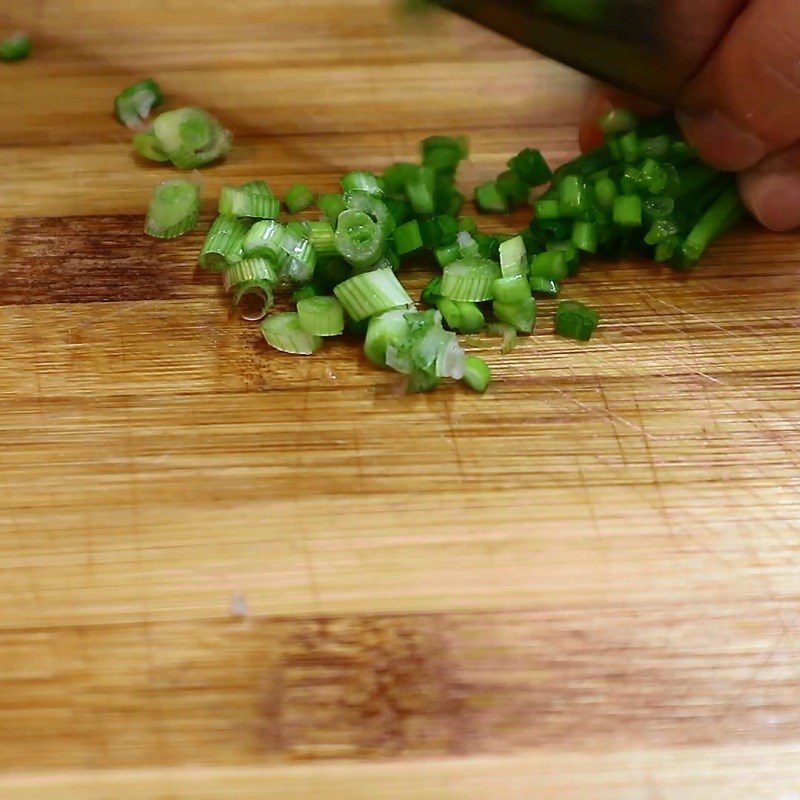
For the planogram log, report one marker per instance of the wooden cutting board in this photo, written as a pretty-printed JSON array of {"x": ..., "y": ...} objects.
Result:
[{"x": 582, "y": 585}]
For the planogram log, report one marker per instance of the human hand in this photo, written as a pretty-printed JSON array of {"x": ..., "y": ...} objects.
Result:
[{"x": 742, "y": 107}]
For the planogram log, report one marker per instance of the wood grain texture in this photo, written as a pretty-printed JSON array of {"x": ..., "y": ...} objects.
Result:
[{"x": 581, "y": 586}]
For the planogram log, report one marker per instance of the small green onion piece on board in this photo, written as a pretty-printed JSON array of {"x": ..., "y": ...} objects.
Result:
[
  {"x": 420, "y": 188},
  {"x": 432, "y": 293},
  {"x": 408, "y": 239},
  {"x": 477, "y": 374},
  {"x": 570, "y": 253},
  {"x": 630, "y": 147},
  {"x": 321, "y": 316},
  {"x": 574, "y": 320},
  {"x": 254, "y": 299},
  {"x": 191, "y": 137},
  {"x": 551, "y": 265},
  {"x": 298, "y": 198},
  {"x": 514, "y": 190},
  {"x": 359, "y": 239},
  {"x": 371, "y": 293},
  {"x": 586, "y": 236},
  {"x": 362, "y": 182},
  {"x": 147, "y": 146},
  {"x": 467, "y": 246},
  {"x": 174, "y": 209},
  {"x": 253, "y": 200},
  {"x": 530, "y": 165},
  {"x": 572, "y": 196},
  {"x": 544, "y": 286},
  {"x": 508, "y": 333},
  {"x": 385, "y": 330},
  {"x": 628, "y": 211},
  {"x": 447, "y": 254},
  {"x": 515, "y": 289},
  {"x": 548, "y": 209},
  {"x": 489, "y": 200},
  {"x": 605, "y": 191},
  {"x": 460, "y": 316},
  {"x": 331, "y": 205},
  {"x": 396, "y": 176},
  {"x": 520, "y": 315},
  {"x": 513, "y": 257},
  {"x": 285, "y": 333},
  {"x": 619, "y": 120},
  {"x": 467, "y": 225},
  {"x": 15, "y": 48},
  {"x": 248, "y": 270},
  {"x": 134, "y": 104},
  {"x": 263, "y": 239},
  {"x": 444, "y": 153},
  {"x": 470, "y": 280},
  {"x": 223, "y": 244},
  {"x": 323, "y": 237}
]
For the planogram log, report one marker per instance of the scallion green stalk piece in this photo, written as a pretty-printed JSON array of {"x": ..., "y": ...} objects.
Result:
[
  {"x": 254, "y": 299},
  {"x": 252, "y": 200},
  {"x": 520, "y": 315},
  {"x": 15, "y": 48},
  {"x": 331, "y": 205},
  {"x": 362, "y": 182},
  {"x": 477, "y": 374},
  {"x": 298, "y": 198},
  {"x": 618, "y": 120},
  {"x": 321, "y": 316},
  {"x": 574, "y": 320},
  {"x": 285, "y": 333},
  {"x": 248, "y": 270},
  {"x": 420, "y": 188},
  {"x": 508, "y": 334},
  {"x": 323, "y": 237},
  {"x": 513, "y": 257},
  {"x": 371, "y": 293},
  {"x": 359, "y": 238},
  {"x": 134, "y": 104},
  {"x": 489, "y": 200},
  {"x": 191, "y": 137},
  {"x": 531, "y": 166},
  {"x": 146, "y": 145},
  {"x": 511, "y": 290},
  {"x": 408, "y": 239},
  {"x": 223, "y": 244},
  {"x": 470, "y": 280},
  {"x": 461, "y": 317},
  {"x": 174, "y": 209}
]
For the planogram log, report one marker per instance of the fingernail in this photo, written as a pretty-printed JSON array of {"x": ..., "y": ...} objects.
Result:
[
  {"x": 722, "y": 141},
  {"x": 774, "y": 199}
]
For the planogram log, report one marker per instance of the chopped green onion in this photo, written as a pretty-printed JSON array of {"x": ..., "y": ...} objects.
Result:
[
  {"x": 331, "y": 205},
  {"x": 619, "y": 120},
  {"x": 551, "y": 265},
  {"x": 572, "y": 196},
  {"x": 467, "y": 225},
  {"x": 630, "y": 147},
  {"x": 134, "y": 104},
  {"x": 544, "y": 286},
  {"x": 605, "y": 191},
  {"x": 323, "y": 237},
  {"x": 576, "y": 321},
  {"x": 628, "y": 211},
  {"x": 659, "y": 207},
  {"x": 513, "y": 257},
  {"x": 362, "y": 182},
  {"x": 521, "y": 315},
  {"x": 15, "y": 48},
  {"x": 420, "y": 188},
  {"x": 285, "y": 333},
  {"x": 655, "y": 146},
  {"x": 321, "y": 316},
  {"x": 489, "y": 200},
  {"x": 530, "y": 165},
  {"x": 548, "y": 209},
  {"x": 174, "y": 209},
  {"x": 586, "y": 236},
  {"x": 223, "y": 244},
  {"x": 408, "y": 239},
  {"x": 359, "y": 239},
  {"x": 253, "y": 200},
  {"x": 570, "y": 253},
  {"x": 513, "y": 189},
  {"x": 477, "y": 374},
  {"x": 389, "y": 329},
  {"x": 264, "y": 239},
  {"x": 467, "y": 246},
  {"x": 298, "y": 198},
  {"x": 248, "y": 270},
  {"x": 515, "y": 289},
  {"x": 146, "y": 145},
  {"x": 396, "y": 176},
  {"x": 296, "y": 255},
  {"x": 371, "y": 293},
  {"x": 461, "y": 317},
  {"x": 447, "y": 254},
  {"x": 444, "y": 153},
  {"x": 432, "y": 293},
  {"x": 470, "y": 280},
  {"x": 254, "y": 299},
  {"x": 191, "y": 137},
  {"x": 304, "y": 292},
  {"x": 508, "y": 334}
]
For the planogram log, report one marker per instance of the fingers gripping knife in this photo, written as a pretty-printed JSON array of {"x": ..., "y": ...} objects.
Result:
[{"x": 618, "y": 41}]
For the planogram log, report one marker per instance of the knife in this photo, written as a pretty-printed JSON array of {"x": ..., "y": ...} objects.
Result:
[{"x": 620, "y": 42}]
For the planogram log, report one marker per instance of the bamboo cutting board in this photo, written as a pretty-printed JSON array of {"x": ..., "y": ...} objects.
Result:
[{"x": 582, "y": 586}]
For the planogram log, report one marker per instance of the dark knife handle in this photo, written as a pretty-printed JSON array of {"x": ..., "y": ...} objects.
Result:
[{"x": 617, "y": 41}]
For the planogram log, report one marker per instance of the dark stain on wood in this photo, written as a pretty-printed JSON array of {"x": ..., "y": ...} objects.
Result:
[{"x": 94, "y": 260}]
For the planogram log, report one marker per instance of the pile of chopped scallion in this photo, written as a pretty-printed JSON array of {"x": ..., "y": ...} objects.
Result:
[{"x": 643, "y": 191}]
